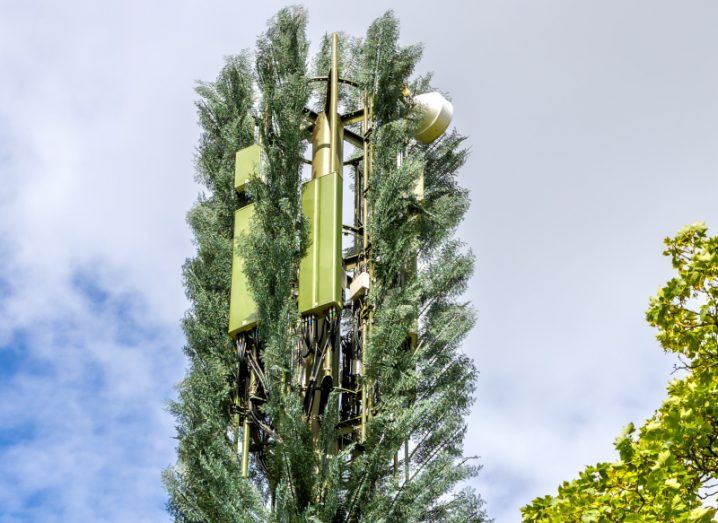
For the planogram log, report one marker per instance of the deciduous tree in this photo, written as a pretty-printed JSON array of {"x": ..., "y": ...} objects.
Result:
[{"x": 668, "y": 468}]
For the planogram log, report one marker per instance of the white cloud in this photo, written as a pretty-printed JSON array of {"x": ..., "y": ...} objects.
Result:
[{"x": 84, "y": 434}]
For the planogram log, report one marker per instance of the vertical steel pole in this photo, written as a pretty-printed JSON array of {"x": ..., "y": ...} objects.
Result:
[
  {"x": 368, "y": 166},
  {"x": 334, "y": 159},
  {"x": 406, "y": 461},
  {"x": 245, "y": 447},
  {"x": 365, "y": 243},
  {"x": 246, "y": 428}
]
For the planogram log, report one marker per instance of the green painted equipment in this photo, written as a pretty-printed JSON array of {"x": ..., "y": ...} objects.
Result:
[
  {"x": 320, "y": 270},
  {"x": 242, "y": 309},
  {"x": 247, "y": 163},
  {"x": 321, "y": 273}
]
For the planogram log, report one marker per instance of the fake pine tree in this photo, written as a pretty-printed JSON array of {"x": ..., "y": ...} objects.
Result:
[{"x": 340, "y": 392}]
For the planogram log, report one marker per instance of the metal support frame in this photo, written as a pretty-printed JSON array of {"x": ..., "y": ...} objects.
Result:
[
  {"x": 318, "y": 363},
  {"x": 250, "y": 393},
  {"x": 331, "y": 352},
  {"x": 320, "y": 332}
]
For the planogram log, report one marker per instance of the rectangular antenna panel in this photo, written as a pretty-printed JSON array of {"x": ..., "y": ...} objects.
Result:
[
  {"x": 248, "y": 162},
  {"x": 242, "y": 309},
  {"x": 320, "y": 270}
]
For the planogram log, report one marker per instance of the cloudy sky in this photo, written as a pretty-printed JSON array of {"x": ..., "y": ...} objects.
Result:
[{"x": 594, "y": 131}]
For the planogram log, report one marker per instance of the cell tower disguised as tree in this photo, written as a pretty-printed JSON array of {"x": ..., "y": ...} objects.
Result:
[{"x": 340, "y": 392}]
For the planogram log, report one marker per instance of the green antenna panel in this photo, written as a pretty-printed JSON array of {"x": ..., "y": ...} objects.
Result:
[
  {"x": 242, "y": 309},
  {"x": 247, "y": 163},
  {"x": 320, "y": 270}
]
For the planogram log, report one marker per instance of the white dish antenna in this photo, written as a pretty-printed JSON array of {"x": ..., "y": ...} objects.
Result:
[{"x": 436, "y": 113}]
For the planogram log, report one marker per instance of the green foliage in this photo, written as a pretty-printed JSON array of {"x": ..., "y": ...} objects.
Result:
[
  {"x": 206, "y": 485},
  {"x": 668, "y": 468},
  {"x": 273, "y": 249},
  {"x": 385, "y": 67},
  {"x": 424, "y": 394},
  {"x": 436, "y": 381}
]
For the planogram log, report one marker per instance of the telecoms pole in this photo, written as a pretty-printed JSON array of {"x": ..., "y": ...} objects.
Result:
[{"x": 333, "y": 283}]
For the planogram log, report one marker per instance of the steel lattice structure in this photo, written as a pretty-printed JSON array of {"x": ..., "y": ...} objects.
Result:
[{"x": 333, "y": 285}]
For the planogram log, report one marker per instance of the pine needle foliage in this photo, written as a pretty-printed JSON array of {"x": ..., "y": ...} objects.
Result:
[
  {"x": 206, "y": 484},
  {"x": 421, "y": 270}
]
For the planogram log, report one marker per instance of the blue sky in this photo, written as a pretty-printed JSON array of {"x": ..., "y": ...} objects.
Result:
[{"x": 594, "y": 131}]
